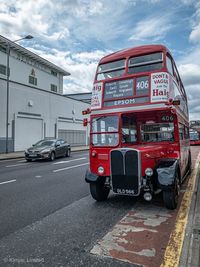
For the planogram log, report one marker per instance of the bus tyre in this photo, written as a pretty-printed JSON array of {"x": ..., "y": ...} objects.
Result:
[
  {"x": 98, "y": 191},
  {"x": 170, "y": 197}
]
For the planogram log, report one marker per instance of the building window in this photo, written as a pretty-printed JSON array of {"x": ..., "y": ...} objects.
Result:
[
  {"x": 54, "y": 73},
  {"x": 3, "y": 70},
  {"x": 2, "y": 49},
  {"x": 54, "y": 88},
  {"x": 32, "y": 80}
]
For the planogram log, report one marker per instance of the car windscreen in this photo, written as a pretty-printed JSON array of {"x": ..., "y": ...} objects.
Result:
[{"x": 45, "y": 143}]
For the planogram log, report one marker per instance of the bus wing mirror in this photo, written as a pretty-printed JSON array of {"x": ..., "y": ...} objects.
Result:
[
  {"x": 176, "y": 102},
  {"x": 85, "y": 122},
  {"x": 87, "y": 111}
]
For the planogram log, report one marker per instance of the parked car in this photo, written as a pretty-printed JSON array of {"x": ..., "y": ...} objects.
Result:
[{"x": 48, "y": 149}]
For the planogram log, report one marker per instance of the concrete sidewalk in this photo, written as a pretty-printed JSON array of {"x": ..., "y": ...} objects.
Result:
[
  {"x": 20, "y": 154},
  {"x": 190, "y": 256},
  {"x": 193, "y": 258}
]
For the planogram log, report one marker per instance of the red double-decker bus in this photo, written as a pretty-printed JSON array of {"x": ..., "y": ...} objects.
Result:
[
  {"x": 194, "y": 138},
  {"x": 139, "y": 134},
  {"x": 194, "y": 133}
]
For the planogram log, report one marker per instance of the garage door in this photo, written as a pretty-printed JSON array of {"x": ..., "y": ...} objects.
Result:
[
  {"x": 27, "y": 132},
  {"x": 73, "y": 137}
]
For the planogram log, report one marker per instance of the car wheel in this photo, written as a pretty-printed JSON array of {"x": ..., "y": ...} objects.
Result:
[
  {"x": 98, "y": 191},
  {"x": 28, "y": 160},
  {"x": 68, "y": 152},
  {"x": 170, "y": 197},
  {"x": 52, "y": 156}
]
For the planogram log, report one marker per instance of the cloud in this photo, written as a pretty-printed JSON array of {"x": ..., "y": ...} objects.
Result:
[
  {"x": 189, "y": 65},
  {"x": 76, "y": 34},
  {"x": 89, "y": 57},
  {"x": 195, "y": 33},
  {"x": 190, "y": 73},
  {"x": 189, "y": 69},
  {"x": 27, "y": 17},
  {"x": 82, "y": 67},
  {"x": 151, "y": 28}
]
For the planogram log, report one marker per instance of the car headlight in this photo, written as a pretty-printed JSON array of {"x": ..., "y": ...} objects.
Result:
[
  {"x": 101, "y": 170},
  {"x": 149, "y": 172},
  {"x": 47, "y": 150}
]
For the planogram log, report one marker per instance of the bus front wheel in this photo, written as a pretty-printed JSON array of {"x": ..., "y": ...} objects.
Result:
[
  {"x": 170, "y": 197},
  {"x": 98, "y": 191}
]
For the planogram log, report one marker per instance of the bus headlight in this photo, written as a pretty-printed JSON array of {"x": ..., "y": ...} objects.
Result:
[
  {"x": 149, "y": 172},
  {"x": 101, "y": 170}
]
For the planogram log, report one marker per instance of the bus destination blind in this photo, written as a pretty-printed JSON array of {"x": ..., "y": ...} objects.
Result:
[{"x": 119, "y": 89}]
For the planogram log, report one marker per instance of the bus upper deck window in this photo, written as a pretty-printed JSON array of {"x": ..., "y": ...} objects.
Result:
[
  {"x": 169, "y": 65},
  {"x": 145, "y": 63},
  {"x": 111, "y": 70}
]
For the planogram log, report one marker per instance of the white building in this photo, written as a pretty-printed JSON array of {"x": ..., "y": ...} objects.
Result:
[{"x": 37, "y": 108}]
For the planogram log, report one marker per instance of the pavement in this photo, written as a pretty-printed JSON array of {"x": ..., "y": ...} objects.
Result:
[
  {"x": 20, "y": 154},
  {"x": 194, "y": 249},
  {"x": 190, "y": 256}
]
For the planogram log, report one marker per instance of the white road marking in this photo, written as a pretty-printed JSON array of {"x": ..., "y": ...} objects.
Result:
[
  {"x": 6, "y": 182},
  {"x": 66, "y": 161},
  {"x": 71, "y": 167},
  {"x": 22, "y": 160},
  {"x": 5, "y": 160},
  {"x": 38, "y": 176},
  {"x": 16, "y": 165}
]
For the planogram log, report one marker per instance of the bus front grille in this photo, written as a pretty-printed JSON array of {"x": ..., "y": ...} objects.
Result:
[{"x": 125, "y": 171}]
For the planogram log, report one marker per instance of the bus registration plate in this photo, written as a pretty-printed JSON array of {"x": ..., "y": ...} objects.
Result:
[{"x": 125, "y": 191}]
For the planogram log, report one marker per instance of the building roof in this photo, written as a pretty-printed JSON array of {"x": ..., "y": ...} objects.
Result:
[
  {"x": 4, "y": 41},
  {"x": 134, "y": 51},
  {"x": 84, "y": 97}
]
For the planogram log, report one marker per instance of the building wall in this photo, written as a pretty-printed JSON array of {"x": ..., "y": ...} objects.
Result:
[
  {"x": 21, "y": 67},
  {"x": 35, "y": 114}
]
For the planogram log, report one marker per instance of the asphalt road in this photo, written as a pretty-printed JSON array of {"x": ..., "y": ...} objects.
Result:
[
  {"x": 47, "y": 216},
  {"x": 31, "y": 191}
]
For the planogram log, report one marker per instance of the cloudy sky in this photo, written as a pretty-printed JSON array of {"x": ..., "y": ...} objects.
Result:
[{"x": 75, "y": 34}]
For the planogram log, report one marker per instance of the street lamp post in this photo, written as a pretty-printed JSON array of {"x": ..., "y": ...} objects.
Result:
[{"x": 7, "y": 84}]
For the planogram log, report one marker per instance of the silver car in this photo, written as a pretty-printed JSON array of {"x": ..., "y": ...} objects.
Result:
[{"x": 48, "y": 149}]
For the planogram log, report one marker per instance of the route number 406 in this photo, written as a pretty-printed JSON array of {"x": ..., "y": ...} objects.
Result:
[
  {"x": 167, "y": 118},
  {"x": 142, "y": 84}
]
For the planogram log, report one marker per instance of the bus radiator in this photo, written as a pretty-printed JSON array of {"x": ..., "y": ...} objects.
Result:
[{"x": 125, "y": 171}]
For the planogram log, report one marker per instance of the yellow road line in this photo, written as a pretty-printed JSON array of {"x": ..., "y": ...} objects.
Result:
[{"x": 174, "y": 247}]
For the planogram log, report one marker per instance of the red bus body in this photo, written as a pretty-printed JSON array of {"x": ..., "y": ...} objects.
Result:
[
  {"x": 194, "y": 142},
  {"x": 139, "y": 136}
]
